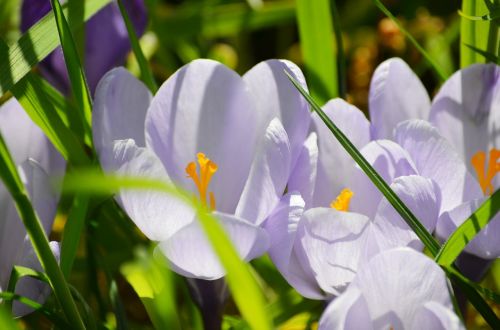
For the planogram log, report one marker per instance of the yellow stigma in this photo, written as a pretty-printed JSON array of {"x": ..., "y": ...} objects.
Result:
[
  {"x": 342, "y": 201},
  {"x": 486, "y": 172},
  {"x": 207, "y": 170}
]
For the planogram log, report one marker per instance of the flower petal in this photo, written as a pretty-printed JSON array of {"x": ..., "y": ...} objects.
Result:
[
  {"x": 268, "y": 176},
  {"x": 205, "y": 107},
  {"x": 422, "y": 197},
  {"x": 396, "y": 95},
  {"x": 282, "y": 227},
  {"x": 334, "y": 244},
  {"x": 435, "y": 316},
  {"x": 485, "y": 244},
  {"x": 436, "y": 159},
  {"x": 334, "y": 163},
  {"x": 26, "y": 140},
  {"x": 395, "y": 283},
  {"x": 157, "y": 214},
  {"x": 348, "y": 311},
  {"x": 275, "y": 96},
  {"x": 191, "y": 254},
  {"x": 120, "y": 107},
  {"x": 390, "y": 161},
  {"x": 303, "y": 177},
  {"x": 466, "y": 110}
]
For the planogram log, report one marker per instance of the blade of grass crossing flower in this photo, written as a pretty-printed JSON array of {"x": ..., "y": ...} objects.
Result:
[
  {"x": 73, "y": 65},
  {"x": 426, "y": 238},
  {"x": 72, "y": 232},
  {"x": 47, "y": 108},
  {"x": 14, "y": 185},
  {"x": 466, "y": 232},
  {"x": 245, "y": 290},
  {"x": 146, "y": 74},
  {"x": 434, "y": 65},
  {"x": 317, "y": 42},
  {"x": 38, "y": 42},
  {"x": 473, "y": 33}
]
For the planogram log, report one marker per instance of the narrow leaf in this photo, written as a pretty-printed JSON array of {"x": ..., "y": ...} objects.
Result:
[{"x": 318, "y": 45}]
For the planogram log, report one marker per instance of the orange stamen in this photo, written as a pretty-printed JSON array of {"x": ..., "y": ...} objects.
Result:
[
  {"x": 486, "y": 172},
  {"x": 341, "y": 203},
  {"x": 202, "y": 179}
]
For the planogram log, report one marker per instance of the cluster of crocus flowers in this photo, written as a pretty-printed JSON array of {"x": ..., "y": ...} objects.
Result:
[
  {"x": 36, "y": 159},
  {"x": 106, "y": 40}
]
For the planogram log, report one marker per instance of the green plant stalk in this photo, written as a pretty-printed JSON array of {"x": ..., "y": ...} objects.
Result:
[
  {"x": 439, "y": 71},
  {"x": 429, "y": 242},
  {"x": 73, "y": 65},
  {"x": 422, "y": 233},
  {"x": 12, "y": 181},
  {"x": 317, "y": 43},
  {"x": 146, "y": 74}
]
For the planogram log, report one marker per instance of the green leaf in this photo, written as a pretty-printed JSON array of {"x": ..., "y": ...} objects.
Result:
[
  {"x": 246, "y": 292},
  {"x": 13, "y": 183},
  {"x": 76, "y": 73},
  {"x": 146, "y": 74},
  {"x": 487, "y": 55},
  {"x": 405, "y": 213},
  {"x": 466, "y": 232},
  {"x": 49, "y": 111},
  {"x": 434, "y": 65},
  {"x": 38, "y": 42},
  {"x": 6, "y": 320},
  {"x": 72, "y": 232},
  {"x": 318, "y": 45}
]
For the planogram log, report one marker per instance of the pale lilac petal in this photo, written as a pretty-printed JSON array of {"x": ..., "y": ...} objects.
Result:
[
  {"x": 158, "y": 215},
  {"x": 31, "y": 288},
  {"x": 334, "y": 244},
  {"x": 434, "y": 316},
  {"x": 334, "y": 163},
  {"x": 422, "y": 197},
  {"x": 205, "y": 107},
  {"x": 396, "y": 95},
  {"x": 395, "y": 283},
  {"x": 303, "y": 177},
  {"x": 268, "y": 175},
  {"x": 485, "y": 244},
  {"x": 282, "y": 228},
  {"x": 348, "y": 311},
  {"x": 120, "y": 106},
  {"x": 466, "y": 110},
  {"x": 390, "y": 161},
  {"x": 191, "y": 254},
  {"x": 26, "y": 140},
  {"x": 436, "y": 159},
  {"x": 275, "y": 96}
]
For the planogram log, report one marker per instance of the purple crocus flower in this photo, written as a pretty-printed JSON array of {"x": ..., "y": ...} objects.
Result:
[
  {"x": 35, "y": 157},
  {"x": 208, "y": 131},
  {"x": 106, "y": 45},
  {"x": 396, "y": 289}
]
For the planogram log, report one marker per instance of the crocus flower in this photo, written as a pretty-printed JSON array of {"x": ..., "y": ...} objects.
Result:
[
  {"x": 35, "y": 157},
  {"x": 205, "y": 132},
  {"x": 396, "y": 289},
  {"x": 106, "y": 40}
]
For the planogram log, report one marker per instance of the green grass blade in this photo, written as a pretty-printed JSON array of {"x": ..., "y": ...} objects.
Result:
[
  {"x": 72, "y": 232},
  {"x": 13, "y": 183},
  {"x": 38, "y": 42},
  {"x": 6, "y": 319},
  {"x": 45, "y": 107},
  {"x": 73, "y": 65},
  {"x": 466, "y": 232},
  {"x": 434, "y": 65},
  {"x": 422, "y": 233},
  {"x": 246, "y": 292},
  {"x": 474, "y": 33},
  {"x": 317, "y": 43},
  {"x": 146, "y": 74},
  {"x": 487, "y": 55}
]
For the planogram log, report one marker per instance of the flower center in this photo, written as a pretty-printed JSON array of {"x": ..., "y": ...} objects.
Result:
[
  {"x": 341, "y": 203},
  {"x": 486, "y": 172},
  {"x": 202, "y": 179}
]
